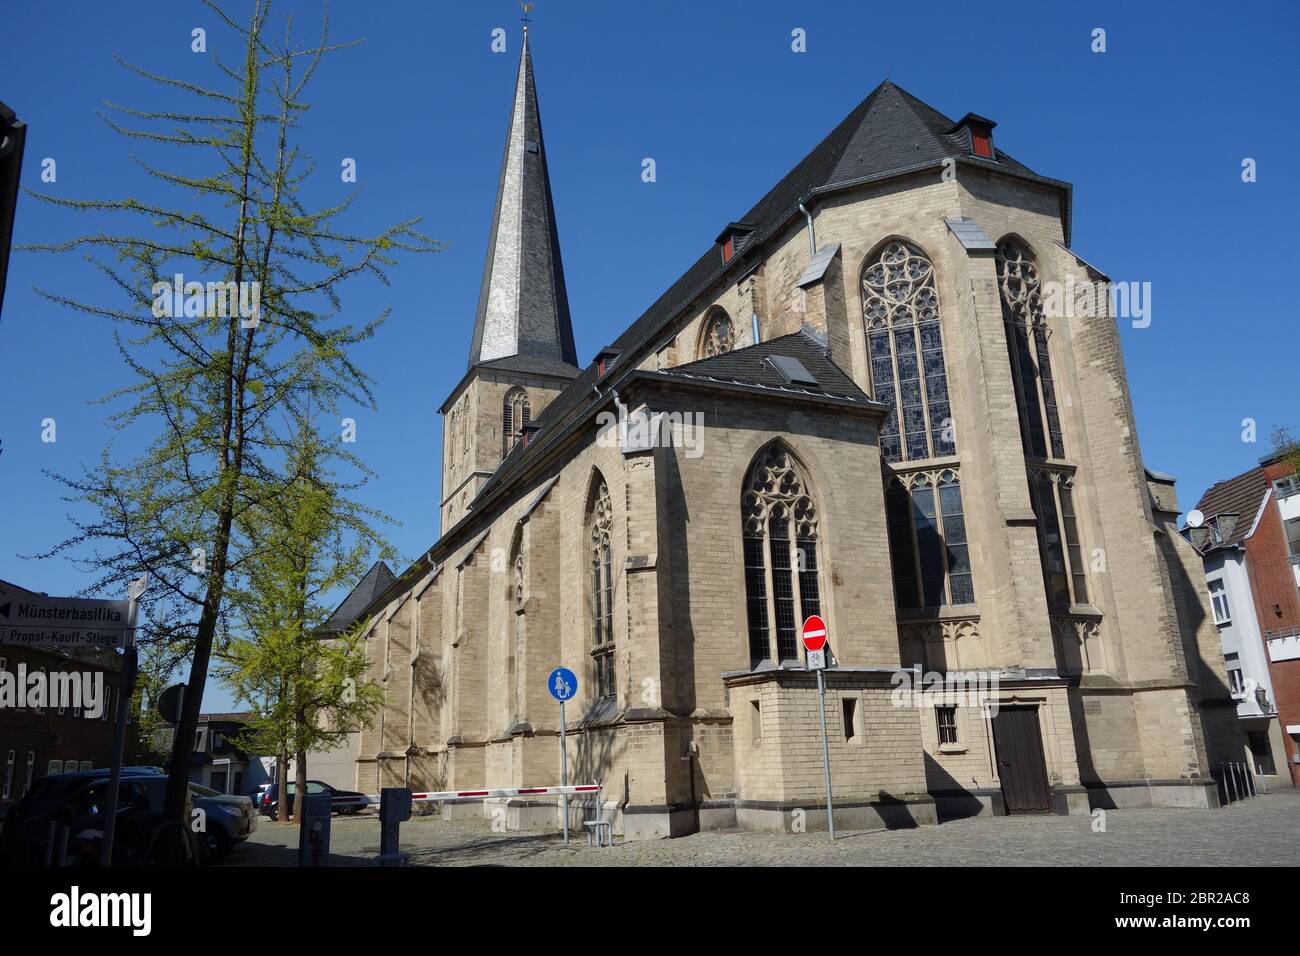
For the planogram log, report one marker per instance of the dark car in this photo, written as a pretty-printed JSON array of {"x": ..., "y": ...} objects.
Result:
[
  {"x": 228, "y": 819},
  {"x": 79, "y": 802},
  {"x": 342, "y": 801}
]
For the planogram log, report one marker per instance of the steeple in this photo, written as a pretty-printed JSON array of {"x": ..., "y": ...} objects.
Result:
[{"x": 523, "y": 310}]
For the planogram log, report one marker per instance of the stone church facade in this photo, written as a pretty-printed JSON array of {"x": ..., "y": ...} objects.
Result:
[{"x": 864, "y": 411}]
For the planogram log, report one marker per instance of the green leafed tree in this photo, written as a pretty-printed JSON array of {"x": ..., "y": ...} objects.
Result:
[
  {"x": 254, "y": 337},
  {"x": 308, "y": 540}
]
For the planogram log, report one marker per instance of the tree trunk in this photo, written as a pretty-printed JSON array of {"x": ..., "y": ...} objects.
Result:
[
  {"x": 300, "y": 782},
  {"x": 282, "y": 780}
]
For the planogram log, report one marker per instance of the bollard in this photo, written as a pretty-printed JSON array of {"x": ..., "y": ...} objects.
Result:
[
  {"x": 314, "y": 830},
  {"x": 61, "y": 847},
  {"x": 1250, "y": 781},
  {"x": 394, "y": 810},
  {"x": 1232, "y": 783},
  {"x": 47, "y": 850}
]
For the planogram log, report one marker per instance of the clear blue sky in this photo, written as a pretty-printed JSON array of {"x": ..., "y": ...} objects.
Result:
[{"x": 1151, "y": 133}]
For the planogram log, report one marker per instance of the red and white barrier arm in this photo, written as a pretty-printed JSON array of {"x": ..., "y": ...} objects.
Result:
[{"x": 441, "y": 795}]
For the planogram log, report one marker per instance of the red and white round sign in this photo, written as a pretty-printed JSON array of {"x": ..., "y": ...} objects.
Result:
[{"x": 814, "y": 633}]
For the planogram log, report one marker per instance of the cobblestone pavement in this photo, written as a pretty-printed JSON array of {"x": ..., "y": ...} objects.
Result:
[{"x": 1264, "y": 831}]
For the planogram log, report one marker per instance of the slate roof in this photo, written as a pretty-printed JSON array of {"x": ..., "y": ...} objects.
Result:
[
  {"x": 890, "y": 133},
  {"x": 375, "y": 581},
  {"x": 749, "y": 366},
  {"x": 523, "y": 307},
  {"x": 1234, "y": 503}
]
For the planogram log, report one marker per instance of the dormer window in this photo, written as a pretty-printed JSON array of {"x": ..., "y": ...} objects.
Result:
[
  {"x": 733, "y": 239},
  {"x": 980, "y": 130},
  {"x": 605, "y": 361}
]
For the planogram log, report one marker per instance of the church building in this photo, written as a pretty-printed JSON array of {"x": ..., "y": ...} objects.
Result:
[{"x": 857, "y": 403}]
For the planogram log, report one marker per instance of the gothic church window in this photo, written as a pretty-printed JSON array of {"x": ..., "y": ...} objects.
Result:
[
  {"x": 900, "y": 305},
  {"x": 719, "y": 334},
  {"x": 515, "y": 414},
  {"x": 928, "y": 549},
  {"x": 1051, "y": 493},
  {"x": 601, "y": 518},
  {"x": 780, "y": 547},
  {"x": 1031, "y": 364}
]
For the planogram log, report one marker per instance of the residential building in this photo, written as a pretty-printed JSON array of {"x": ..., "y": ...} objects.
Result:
[{"x": 36, "y": 741}]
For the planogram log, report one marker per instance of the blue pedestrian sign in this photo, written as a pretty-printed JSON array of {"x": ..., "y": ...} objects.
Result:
[{"x": 562, "y": 684}]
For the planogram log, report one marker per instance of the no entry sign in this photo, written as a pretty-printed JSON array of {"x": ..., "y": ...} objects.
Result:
[{"x": 814, "y": 633}]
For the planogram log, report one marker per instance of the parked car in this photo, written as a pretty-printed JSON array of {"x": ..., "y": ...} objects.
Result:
[
  {"x": 79, "y": 802},
  {"x": 346, "y": 802},
  {"x": 228, "y": 819}
]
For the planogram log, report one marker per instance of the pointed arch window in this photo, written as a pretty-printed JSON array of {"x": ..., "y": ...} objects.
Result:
[
  {"x": 515, "y": 414},
  {"x": 900, "y": 305},
  {"x": 1027, "y": 349},
  {"x": 928, "y": 550},
  {"x": 781, "y": 564},
  {"x": 602, "y": 592},
  {"x": 1051, "y": 492},
  {"x": 719, "y": 334}
]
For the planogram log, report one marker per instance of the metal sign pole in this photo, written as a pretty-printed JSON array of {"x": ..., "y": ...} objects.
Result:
[
  {"x": 564, "y": 776},
  {"x": 826, "y": 751},
  {"x": 129, "y": 663}
]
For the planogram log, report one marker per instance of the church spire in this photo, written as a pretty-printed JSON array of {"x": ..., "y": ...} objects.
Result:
[{"x": 523, "y": 310}]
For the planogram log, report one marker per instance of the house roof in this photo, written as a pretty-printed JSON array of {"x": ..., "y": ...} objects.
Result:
[
  {"x": 375, "y": 581},
  {"x": 752, "y": 366},
  {"x": 1229, "y": 508},
  {"x": 890, "y": 133},
  {"x": 232, "y": 718}
]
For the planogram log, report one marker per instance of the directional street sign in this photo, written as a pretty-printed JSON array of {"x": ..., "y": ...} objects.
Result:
[
  {"x": 27, "y": 618},
  {"x": 563, "y": 685}
]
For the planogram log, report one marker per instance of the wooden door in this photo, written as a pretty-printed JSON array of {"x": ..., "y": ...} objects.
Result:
[{"x": 1019, "y": 747}]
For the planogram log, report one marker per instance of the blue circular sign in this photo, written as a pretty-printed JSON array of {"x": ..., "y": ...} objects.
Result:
[{"x": 562, "y": 683}]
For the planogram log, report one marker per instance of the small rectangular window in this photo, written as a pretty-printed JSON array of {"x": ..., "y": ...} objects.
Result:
[
  {"x": 30, "y": 772},
  {"x": 756, "y": 721},
  {"x": 1219, "y": 601},
  {"x": 1293, "y": 537},
  {"x": 947, "y": 723},
  {"x": 9, "y": 775},
  {"x": 981, "y": 142},
  {"x": 850, "y": 706}
]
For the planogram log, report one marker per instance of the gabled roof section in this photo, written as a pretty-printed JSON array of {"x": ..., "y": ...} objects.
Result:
[
  {"x": 354, "y": 605},
  {"x": 753, "y": 365},
  {"x": 523, "y": 322},
  {"x": 1229, "y": 508}
]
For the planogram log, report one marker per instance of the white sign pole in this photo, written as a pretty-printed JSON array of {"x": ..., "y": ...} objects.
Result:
[
  {"x": 564, "y": 776},
  {"x": 826, "y": 750},
  {"x": 124, "y": 692}
]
